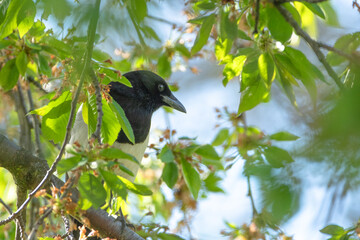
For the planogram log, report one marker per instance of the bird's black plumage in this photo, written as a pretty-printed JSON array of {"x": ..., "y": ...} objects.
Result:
[{"x": 148, "y": 93}]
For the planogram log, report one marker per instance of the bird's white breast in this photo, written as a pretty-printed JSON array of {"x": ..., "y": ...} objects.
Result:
[{"x": 79, "y": 134}]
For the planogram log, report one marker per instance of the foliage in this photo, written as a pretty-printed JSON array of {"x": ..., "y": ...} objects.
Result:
[{"x": 44, "y": 56}]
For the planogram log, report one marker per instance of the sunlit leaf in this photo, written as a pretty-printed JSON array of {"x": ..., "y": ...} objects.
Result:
[
  {"x": 266, "y": 68},
  {"x": 25, "y": 17},
  {"x": 10, "y": 21}
]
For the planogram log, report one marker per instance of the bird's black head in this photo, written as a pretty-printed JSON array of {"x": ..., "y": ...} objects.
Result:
[
  {"x": 148, "y": 89},
  {"x": 148, "y": 93}
]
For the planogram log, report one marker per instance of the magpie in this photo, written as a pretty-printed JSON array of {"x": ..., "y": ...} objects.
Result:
[{"x": 148, "y": 93}]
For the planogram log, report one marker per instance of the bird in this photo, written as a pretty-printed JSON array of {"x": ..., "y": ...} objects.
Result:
[{"x": 148, "y": 93}]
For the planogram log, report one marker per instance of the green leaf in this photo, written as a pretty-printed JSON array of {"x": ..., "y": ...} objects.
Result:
[
  {"x": 44, "y": 65},
  {"x": 333, "y": 229},
  {"x": 283, "y": 136},
  {"x": 100, "y": 56},
  {"x": 25, "y": 17},
  {"x": 211, "y": 183},
  {"x": 136, "y": 188},
  {"x": 228, "y": 26},
  {"x": 5, "y": 43},
  {"x": 253, "y": 94},
  {"x": 124, "y": 122},
  {"x": 63, "y": 50},
  {"x": 69, "y": 164},
  {"x": 55, "y": 117},
  {"x": 139, "y": 9},
  {"x": 306, "y": 69},
  {"x": 222, "y": 135},
  {"x": 285, "y": 80},
  {"x": 21, "y": 62},
  {"x": 164, "y": 66},
  {"x": 280, "y": 29},
  {"x": 182, "y": 50},
  {"x": 203, "y": 34},
  {"x": 150, "y": 33},
  {"x": 10, "y": 21},
  {"x": 9, "y": 75},
  {"x": 205, "y": 5},
  {"x": 315, "y": 9},
  {"x": 170, "y": 174},
  {"x": 234, "y": 67},
  {"x": 222, "y": 48},
  {"x": 166, "y": 155},
  {"x": 169, "y": 236},
  {"x": 207, "y": 151},
  {"x": 266, "y": 68},
  {"x": 64, "y": 97},
  {"x": 243, "y": 35},
  {"x": 110, "y": 126},
  {"x": 192, "y": 178},
  {"x": 277, "y": 156},
  {"x": 54, "y": 123},
  {"x": 114, "y": 183},
  {"x": 115, "y": 153},
  {"x": 281, "y": 200},
  {"x": 330, "y": 13},
  {"x": 91, "y": 188}
]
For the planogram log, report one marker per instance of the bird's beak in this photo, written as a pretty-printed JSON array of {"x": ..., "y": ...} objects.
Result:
[{"x": 174, "y": 103}]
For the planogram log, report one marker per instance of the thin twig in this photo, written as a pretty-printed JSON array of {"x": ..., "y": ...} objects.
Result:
[
  {"x": 38, "y": 223},
  {"x": 257, "y": 14},
  {"x": 160, "y": 19},
  {"x": 337, "y": 51},
  {"x": 251, "y": 197},
  {"x": 36, "y": 84},
  {"x": 87, "y": 61},
  {"x": 313, "y": 44},
  {"x": 36, "y": 124},
  {"x": 49, "y": 210},
  {"x": 96, "y": 84},
  {"x": 6, "y": 206}
]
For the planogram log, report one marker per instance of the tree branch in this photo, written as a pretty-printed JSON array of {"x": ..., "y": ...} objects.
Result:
[
  {"x": 87, "y": 61},
  {"x": 257, "y": 15},
  {"x": 313, "y": 44},
  {"x": 15, "y": 159}
]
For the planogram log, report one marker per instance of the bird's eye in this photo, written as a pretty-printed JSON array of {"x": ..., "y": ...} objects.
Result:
[{"x": 161, "y": 87}]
